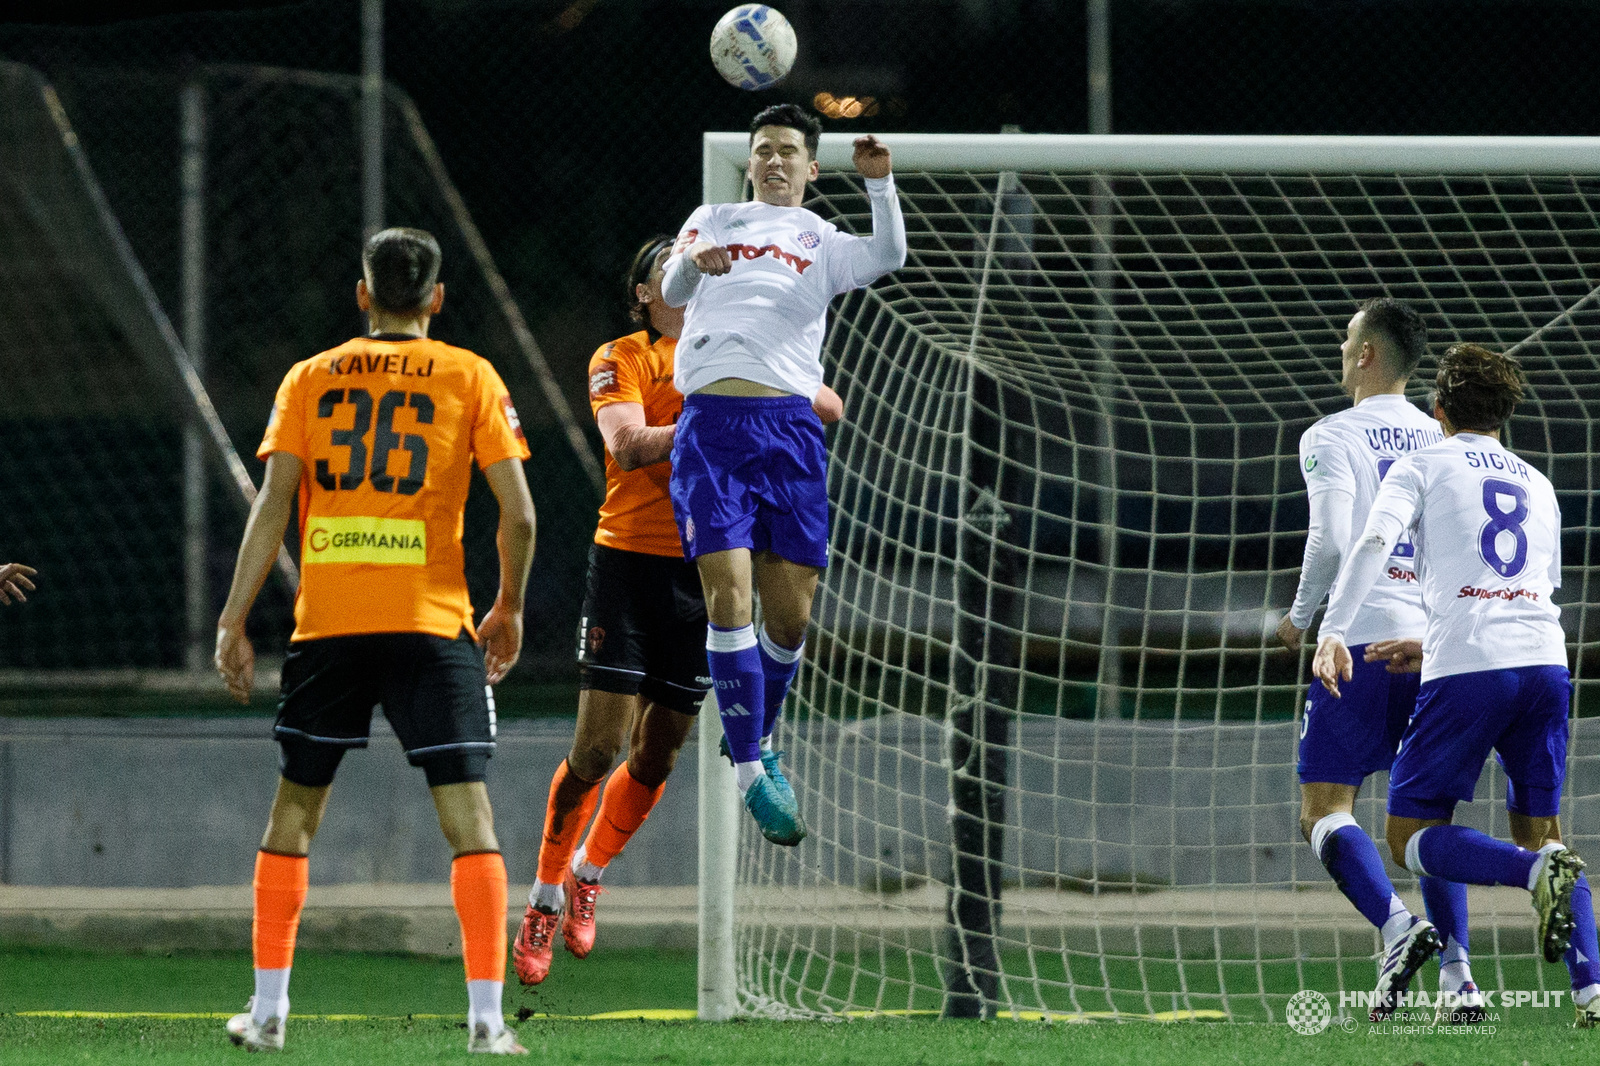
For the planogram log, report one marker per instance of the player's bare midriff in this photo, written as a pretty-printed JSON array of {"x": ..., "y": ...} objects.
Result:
[{"x": 739, "y": 387}]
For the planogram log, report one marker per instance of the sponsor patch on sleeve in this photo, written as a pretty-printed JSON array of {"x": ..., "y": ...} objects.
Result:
[
  {"x": 686, "y": 238},
  {"x": 511, "y": 417},
  {"x": 603, "y": 382}
]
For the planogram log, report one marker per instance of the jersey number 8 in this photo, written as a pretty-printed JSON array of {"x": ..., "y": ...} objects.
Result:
[
  {"x": 1504, "y": 522},
  {"x": 384, "y": 441}
]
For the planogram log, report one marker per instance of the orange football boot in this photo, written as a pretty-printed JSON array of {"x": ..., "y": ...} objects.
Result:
[
  {"x": 577, "y": 917},
  {"x": 535, "y": 943}
]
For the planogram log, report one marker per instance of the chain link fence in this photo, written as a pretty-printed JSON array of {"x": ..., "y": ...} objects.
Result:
[{"x": 568, "y": 132}]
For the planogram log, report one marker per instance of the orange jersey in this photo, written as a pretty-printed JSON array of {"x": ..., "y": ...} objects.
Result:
[
  {"x": 388, "y": 431},
  {"x": 637, "y": 513}
]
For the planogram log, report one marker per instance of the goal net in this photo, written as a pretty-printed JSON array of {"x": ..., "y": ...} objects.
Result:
[{"x": 1043, "y": 738}]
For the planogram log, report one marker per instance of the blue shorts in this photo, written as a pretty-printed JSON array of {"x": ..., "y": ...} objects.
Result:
[
  {"x": 751, "y": 472},
  {"x": 1521, "y": 714},
  {"x": 1344, "y": 740}
]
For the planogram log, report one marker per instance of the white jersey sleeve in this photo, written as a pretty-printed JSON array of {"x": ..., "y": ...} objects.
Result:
[
  {"x": 1324, "y": 461},
  {"x": 1326, "y": 542},
  {"x": 855, "y": 262},
  {"x": 680, "y": 276},
  {"x": 1344, "y": 459}
]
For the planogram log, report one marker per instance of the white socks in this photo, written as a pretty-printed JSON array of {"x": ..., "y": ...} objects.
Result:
[
  {"x": 1398, "y": 922},
  {"x": 766, "y": 742},
  {"x": 547, "y": 898},
  {"x": 1585, "y": 995},
  {"x": 483, "y": 1005},
  {"x": 1326, "y": 826},
  {"x": 745, "y": 773},
  {"x": 272, "y": 995},
  {"x": 1453, "y": 970},
  {"x": 583, "y": 869}
]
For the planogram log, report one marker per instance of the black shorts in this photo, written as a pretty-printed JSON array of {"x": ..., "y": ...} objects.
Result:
[
  {"x": 433, "y": 691},
  {"x": 643, "y": 630}
]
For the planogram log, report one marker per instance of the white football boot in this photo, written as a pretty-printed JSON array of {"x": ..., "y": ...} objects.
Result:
[{"x": 243, "y": 1031}]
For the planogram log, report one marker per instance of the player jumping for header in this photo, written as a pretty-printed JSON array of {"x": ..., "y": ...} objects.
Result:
[
  {"x": 1487, "y": 531},
  {"x": 641, "y": 637},
  {"x": 749, "y": 464},
  {"x": 1343, "y": 459},
  {"x": 382, "y": 614}
]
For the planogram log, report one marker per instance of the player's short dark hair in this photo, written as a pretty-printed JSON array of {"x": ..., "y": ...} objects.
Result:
[
  {"x": 1401, "y": 327},
  {"x": 402, "y": 267},
  {"x": 794, "y": 117},
  {"x": 1478, "y": 388},
  {"x": 644, "y": 261}
]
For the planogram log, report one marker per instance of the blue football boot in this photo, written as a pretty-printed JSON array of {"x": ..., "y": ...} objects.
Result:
[{"x": 775, "y": 811}]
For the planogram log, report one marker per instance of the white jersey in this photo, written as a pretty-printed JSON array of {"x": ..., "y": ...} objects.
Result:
[
  {"x": 1487, "y": 530},
  {"x": 764, "y": 320},
  {"x": 1349, "y": 452}
]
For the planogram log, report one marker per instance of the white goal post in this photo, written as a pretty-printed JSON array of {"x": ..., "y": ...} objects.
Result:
[{"x": 1067, "y": 517}]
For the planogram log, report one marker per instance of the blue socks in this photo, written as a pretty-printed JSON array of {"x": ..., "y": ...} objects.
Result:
[
  {"x": 1457, "y": 853},
  {"x": 778, "y": 665},
  {"x": 1353, "y": 861},
  {"x": 1583, "y": 957},
  {"x": 736, "y": 671}
]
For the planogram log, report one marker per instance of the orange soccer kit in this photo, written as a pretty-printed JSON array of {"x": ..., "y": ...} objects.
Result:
[
  {"x": 642, "y": 631},
  {"x": 387, "y": 430}
]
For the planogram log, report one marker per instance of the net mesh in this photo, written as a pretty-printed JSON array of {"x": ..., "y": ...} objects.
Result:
[{"x": 1067, "y": 518}]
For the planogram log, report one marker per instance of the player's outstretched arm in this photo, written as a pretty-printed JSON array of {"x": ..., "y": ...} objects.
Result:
[
  {"x": 873, "y": 257},
  {"x": 500, "y": 632},
  {"x": 13, "y": 579},
  {"x": 632, "y": 443},
  {"x": 263, "y": 534}
]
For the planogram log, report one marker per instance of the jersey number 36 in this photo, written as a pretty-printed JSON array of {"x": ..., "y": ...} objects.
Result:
[{"x": 384, "y": 441}]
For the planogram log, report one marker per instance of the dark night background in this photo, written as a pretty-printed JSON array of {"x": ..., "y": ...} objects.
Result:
[{"x": 573, "y": 131}]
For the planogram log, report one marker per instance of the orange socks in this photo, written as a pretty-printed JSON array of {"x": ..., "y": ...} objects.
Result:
[
  {"x": 478, "y": 890},
  {"x": 280, "y": 893},
  {"x": 576, "y": 797},
  {"x": 623, "y": 810}
]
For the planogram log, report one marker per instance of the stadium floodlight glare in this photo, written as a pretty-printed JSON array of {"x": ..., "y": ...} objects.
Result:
[{"x": 1066, "y": 519}]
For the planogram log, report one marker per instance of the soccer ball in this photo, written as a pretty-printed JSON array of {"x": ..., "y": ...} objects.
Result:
[{"x": 753, "y": 47}]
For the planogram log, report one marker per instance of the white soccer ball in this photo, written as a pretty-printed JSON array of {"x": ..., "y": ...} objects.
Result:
[{"x": 753, "y": 47}]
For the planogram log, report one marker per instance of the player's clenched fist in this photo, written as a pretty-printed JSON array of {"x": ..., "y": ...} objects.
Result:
[
  {"x": 710, "y": 258},
  {"x": 871, "y": 157},
  {"x": 13, "y": 580}
]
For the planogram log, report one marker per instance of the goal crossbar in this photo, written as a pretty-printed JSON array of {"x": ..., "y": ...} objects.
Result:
[{"x": 1131, "y": 153}]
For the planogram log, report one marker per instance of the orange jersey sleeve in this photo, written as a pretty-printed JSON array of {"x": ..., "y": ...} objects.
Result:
[
  {"x": 286, "y": 426},
  {"x": 637, "y": 513},
  {"x": 496, "y": 431},
  {"x": 388, "y": 431},
  {"x": 613, "y": 373}
]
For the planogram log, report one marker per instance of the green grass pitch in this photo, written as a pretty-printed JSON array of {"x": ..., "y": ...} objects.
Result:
[{"x": 408, "y": 1009}]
